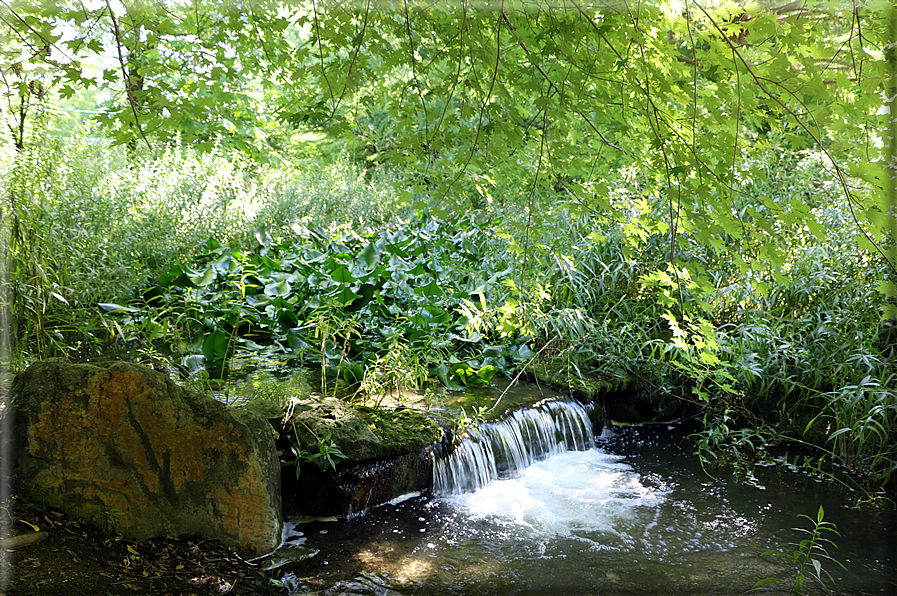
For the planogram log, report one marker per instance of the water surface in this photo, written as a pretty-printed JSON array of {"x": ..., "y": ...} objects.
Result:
[{"x": 635, "y": 515}]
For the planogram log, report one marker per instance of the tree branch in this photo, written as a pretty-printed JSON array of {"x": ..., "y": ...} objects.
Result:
[
  {"x": 321, "y": 52},
  {"x": 446, "y": 103},
  {"x": 125, "y": 75},
  {"x": 554, "y": 86},
  {"x": 417, "y": 85},
  {"x": 842, "y": 179},
  {"x": 476, "y": 140},
  {"x": 364, "y": 26}
]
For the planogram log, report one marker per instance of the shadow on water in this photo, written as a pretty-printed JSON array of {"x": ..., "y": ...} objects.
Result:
[{"x": 636, "y": 514}]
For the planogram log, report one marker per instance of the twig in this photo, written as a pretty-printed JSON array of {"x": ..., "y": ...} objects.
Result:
[
  {"x": 522, "y": 370},
  {"x": 816, "y": 138},
  {"x": 132, "y": 101}
]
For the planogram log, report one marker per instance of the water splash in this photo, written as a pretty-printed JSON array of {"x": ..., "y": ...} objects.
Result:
[{"x": 504, "y": 449}]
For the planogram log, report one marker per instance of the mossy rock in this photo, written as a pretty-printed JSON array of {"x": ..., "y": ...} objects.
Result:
[
  {"x": 268, "y": 409},
  {"x": 402, "y": 430},
  {"x": 360, "y": 433},
  {"x": 586, "y": 389}
]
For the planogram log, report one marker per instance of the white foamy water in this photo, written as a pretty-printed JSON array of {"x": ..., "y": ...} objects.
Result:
[
  {"x": 507, "y": 447},
  {"x": 588, "y": 495},
  {"x": 638, "y": 515}
]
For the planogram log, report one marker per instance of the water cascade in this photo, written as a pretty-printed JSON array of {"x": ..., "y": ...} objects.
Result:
[
  {"x": 535, "y": 504},
  {"x": 505, "y": 448}
]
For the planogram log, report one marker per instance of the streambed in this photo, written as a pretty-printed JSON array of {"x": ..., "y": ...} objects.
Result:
[{"x": 636, "y": 514}]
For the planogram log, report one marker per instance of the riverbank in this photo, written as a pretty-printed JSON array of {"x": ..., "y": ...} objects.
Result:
[{"x": 77, "y": 558}]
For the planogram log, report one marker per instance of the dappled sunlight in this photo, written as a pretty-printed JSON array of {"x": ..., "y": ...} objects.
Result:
[
  {"x": 382, "y": 216},
  {"x": 413, "y": 569}
]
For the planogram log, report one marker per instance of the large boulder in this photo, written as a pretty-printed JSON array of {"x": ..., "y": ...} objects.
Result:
[{"x": 127, "y": 447}]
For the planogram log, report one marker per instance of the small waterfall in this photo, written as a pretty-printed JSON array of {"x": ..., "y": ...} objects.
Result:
[{"x": 504, "y": 448}]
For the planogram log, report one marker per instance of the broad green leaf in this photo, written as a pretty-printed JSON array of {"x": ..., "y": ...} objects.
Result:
[
  {"x": 431, "y": 289},
  {"x": 203, "y": 278},
  {"x": 345, "y": 297},
  {"x": 117, "y": 308},
  {"x": 225, "y": 264},
  {"x": 370, "y": 256},
  {"x": 342, "y": 275},
  {"x": 215, "y": 347}
]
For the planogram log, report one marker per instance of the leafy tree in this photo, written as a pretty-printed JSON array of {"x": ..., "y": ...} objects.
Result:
[
  {"x": 475, "y": 100},
  {"x": 175, "y": 69},
  {"x": 683, "y": 95}
]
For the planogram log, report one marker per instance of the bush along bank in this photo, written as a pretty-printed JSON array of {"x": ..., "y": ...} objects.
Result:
[{"x": 807, "y": 361}]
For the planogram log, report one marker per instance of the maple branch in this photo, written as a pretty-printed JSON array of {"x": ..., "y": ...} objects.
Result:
[
  {"x": 842, "y": 179},
  {"x": 448, "y": 101},
  {"x": 553, "y": 85},
  {"x": 476, "y": 140},
  {"x": 321, "y": 52},
  {"x": 132, "y": 101},
  {"x": 364, "y": 27},
  {"x": 417, "y": 84}
]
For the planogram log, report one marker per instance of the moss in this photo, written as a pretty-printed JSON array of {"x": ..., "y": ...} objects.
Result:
[
  {"x": 587, "y": 389},
  {"x": 360, "y": 433},
  {"x": 401, "y": 430}
]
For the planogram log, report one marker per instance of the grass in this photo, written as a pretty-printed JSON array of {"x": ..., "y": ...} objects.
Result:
[
  {"x": 795, "y": 350},
  {"x": 808, "y": 556},
  {"x": 91, "y": 224}
]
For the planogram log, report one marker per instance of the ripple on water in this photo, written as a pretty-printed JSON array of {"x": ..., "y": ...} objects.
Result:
[{"x": 590, "y": 518}]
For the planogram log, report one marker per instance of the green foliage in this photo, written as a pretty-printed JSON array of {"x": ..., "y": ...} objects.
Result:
[
  {"x": 88, "y": 226},
  {"x": 808, "y": 555},
  {"x": 305, "y": 299},
  {"x": 266, "y": 387},
  {"x": 465, "y": 423},
  {"x": 327, "y": 456},
  {"x": 488, "y": 107},
  {"x": 471, "y": 377},
  {"x": 177, "y": 69},
  {"x": 399, "y": 368},
  {"x": 683, "y": 97}
]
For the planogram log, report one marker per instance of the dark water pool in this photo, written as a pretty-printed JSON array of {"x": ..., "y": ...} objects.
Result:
[{"x": 635, "y": 515}]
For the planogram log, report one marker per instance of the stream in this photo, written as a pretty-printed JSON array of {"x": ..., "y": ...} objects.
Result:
[{"x": 631, "y": 512}]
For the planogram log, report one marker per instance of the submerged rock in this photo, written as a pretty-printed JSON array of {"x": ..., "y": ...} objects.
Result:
[{"x": 124, "y": 446}]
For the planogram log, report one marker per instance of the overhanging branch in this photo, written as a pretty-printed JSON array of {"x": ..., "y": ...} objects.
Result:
[{"x": 126, "y": 77}]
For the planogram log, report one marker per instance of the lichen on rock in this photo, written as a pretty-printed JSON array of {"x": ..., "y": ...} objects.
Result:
[{"x": 127, "y": 447}]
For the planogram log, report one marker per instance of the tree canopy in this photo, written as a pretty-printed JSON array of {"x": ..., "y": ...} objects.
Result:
[
  {"x": 698, "y": 196},
  {"x": 474, "y": 101}
]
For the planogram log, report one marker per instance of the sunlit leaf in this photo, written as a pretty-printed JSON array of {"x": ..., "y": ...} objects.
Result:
[
  {"x": 117, "y": 308},
  {"x": 203, "y": 278}
]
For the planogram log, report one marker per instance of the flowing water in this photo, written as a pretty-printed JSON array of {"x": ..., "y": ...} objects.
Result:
[{"x": 533, "y": 505}]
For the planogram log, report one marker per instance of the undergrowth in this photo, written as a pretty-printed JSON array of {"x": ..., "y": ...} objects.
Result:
[
  {"x": 90, "y": 223},
  {"x": 322, "y": 265}
]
